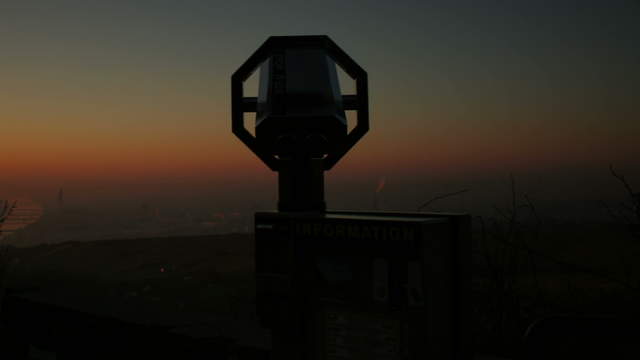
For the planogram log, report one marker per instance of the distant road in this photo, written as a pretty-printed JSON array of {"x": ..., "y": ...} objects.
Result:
[{"x": 16, "y": 214}]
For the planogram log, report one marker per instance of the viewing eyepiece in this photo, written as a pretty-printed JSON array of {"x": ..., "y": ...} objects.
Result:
[
  {"x": 317, "y": 146},
  {"x": 289, "y": 146},
  {"x": 285, "y": 146}
]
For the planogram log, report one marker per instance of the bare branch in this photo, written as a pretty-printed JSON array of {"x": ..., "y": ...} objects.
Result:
[
  {"x": 626, "y": 207},
  {"x": 440, "y": 197},
  {"x": 501, "y": 213},
  {"x": 513, "y": 197},
  {"x": 615, "y": 215},
  {"x": 532, "y": 208},
  {"x": 624, "y": 182}
]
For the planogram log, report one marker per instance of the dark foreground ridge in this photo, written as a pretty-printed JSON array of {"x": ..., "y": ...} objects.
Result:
[
  {"x": 59, "y": 315},
  {"x": 31, "y": 329},
  {"x": 35, "y": 330}
]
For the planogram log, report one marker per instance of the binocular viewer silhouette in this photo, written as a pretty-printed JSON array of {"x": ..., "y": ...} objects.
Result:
[
  {"x": 300, "y": 110},
  {"x": 337, "y": 284},
  {"x": 301, "y": 128}
]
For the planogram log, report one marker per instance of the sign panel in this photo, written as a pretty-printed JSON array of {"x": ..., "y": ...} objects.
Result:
[{"x": 364, "y": 286}]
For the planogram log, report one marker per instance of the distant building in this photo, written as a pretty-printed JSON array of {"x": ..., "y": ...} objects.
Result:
[{"x": 4, "y": 208}]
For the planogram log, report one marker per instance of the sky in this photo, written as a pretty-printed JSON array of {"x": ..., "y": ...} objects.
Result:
[{"x": 131, "y": 99}]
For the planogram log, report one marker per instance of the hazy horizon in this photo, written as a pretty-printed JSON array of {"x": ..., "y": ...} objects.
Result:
[{"x": 559, "y": 194}]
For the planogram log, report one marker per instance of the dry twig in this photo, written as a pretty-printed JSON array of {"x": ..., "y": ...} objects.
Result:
[{"x": 421, "y": 207}]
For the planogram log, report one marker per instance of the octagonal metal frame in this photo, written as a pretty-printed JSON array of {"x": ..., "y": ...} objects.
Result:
[{"x": 240, "y": 104}]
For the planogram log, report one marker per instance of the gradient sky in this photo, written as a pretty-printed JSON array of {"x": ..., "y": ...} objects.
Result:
[{"x": 137, "y": 92}]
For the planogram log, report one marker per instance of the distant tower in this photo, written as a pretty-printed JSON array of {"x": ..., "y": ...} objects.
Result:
[
  {"x": 376, "y": 194},
  {"x": 60, "y": 198}
]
